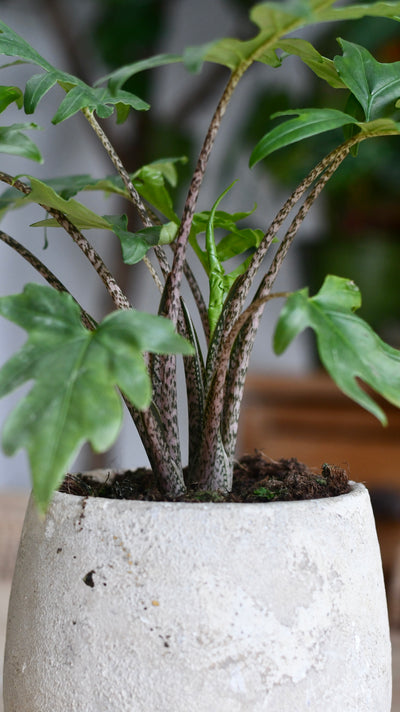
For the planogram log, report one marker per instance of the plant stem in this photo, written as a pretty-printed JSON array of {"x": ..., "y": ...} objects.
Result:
[
  {"x": 153, "y": 273},
  {"x": 45, "y": 273},
  {"x": 236, "y": 377},
  {"x": 119, "y": 166},
  {"x": 132, "y": 192},
  {"x": 269, "y": 279},
  {"x": 175, "y": 278},
  {"x": 208, "y": 472},
  {"x": 169, "y": 475},
  {"x": 112, "y": 286}
]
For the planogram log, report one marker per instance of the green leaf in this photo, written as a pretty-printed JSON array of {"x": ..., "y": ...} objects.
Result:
[
  {"x": 375, "y": 85},
  {"x": 135, "y": 245},
  {"x": 13, "y": 45},
  {"x": 215, "y": 270},
  {"x": 168, "y": 168},
  {"x": 277, "y": 19},
  {"x": 239, "y": 241},
  {"x": 79, "y": 95},
  {"x": 348, "y": 347},
  {"x": 100, "y": 100},
  {"x": 14, "y": 141},
  {"x": 232, "y": 53},
  {"x": 309, "y": 122},
  {"x": 276, "y": 16},
  {"x": 236, "y": 242},
  {"x": 10, "y": 199},
  {"x": 149, "y": 178},
  {"x": 10, "y": 94},
  {"x": 149, "y": 181},
  {"x": 76, "y": 212},
  {"x": 75, "y": 373},
  {"x": 320, "y": 65},
  {"x": 36, "y": 87},
  {"x": 193, "y": 57},
  {"x": 117, "y": 79},
  {"x": 386, "y": 9}
]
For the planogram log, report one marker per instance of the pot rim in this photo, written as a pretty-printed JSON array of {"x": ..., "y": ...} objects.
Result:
[{"x": 357, "y": 489}]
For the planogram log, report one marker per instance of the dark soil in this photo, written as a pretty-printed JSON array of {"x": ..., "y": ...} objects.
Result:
[{"x": 256, "y": 479}]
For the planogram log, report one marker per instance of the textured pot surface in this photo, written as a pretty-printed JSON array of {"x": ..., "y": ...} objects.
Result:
[{"x": 161, "y": 607}]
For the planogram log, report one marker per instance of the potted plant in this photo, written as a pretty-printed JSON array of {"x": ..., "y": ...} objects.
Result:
[{"x": 216, "y": 595}]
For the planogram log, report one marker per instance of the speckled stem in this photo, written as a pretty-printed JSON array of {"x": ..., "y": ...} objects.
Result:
[
  {"x": 172, "y": 305},
  {"x": 45, "y": 273},
  {"x": 164, "y": 381},
  {"x": 199, "y": 299},
  {"x": 236, "y": 375},
  {"x": 208, "y": 462},
  {"x": 144, "y": 213},
  {"x": 167, "y": 470},
  {"x": 119, "y": 166},
  {"x": 282, "y": 251},
  {"x": 235, "y": 382},
  {"x": 153, "y": 273},
  {"x": 113, "y": 288},
  {"x": 214, "y": 466},
  {"x": 236, "y": 305}
]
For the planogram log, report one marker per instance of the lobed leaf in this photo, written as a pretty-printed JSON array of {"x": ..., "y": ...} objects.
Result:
[
  {"x": 100, "y": 100},
  {"x": 75, "y": 373},
  {"x": 135, "y": 245},
  {"x": 78, "y": 94},
  {"x": 231, "y": 52},
  {"x": 277, "y": 19},
  {"x": 347, "y": 345},
  {"x": 376, "y": 85}
]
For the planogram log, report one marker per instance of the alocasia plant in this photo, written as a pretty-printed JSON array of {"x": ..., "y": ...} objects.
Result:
[{"x": 78, "y": 367}]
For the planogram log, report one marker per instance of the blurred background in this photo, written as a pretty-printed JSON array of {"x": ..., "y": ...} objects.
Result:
[{"x": 291, "y": 408}]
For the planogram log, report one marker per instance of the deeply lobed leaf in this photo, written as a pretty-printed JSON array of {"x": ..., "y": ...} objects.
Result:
[
  {"x": 75, "y": 373},
  {"x": 376, "y": 85},
  {"x": 347, "y": 345}
]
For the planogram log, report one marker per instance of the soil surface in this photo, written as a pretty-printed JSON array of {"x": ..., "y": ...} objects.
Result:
[{"x": 256, "y": 479}]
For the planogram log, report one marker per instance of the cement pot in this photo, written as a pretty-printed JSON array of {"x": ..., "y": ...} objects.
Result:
[{"x": 121, "y": 606}]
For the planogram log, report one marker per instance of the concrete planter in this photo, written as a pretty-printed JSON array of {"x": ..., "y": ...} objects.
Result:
[{"x": 123, "y": 606}]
